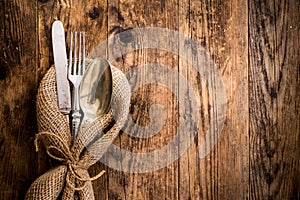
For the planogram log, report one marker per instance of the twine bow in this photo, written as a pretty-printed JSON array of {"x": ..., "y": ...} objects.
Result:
[{"x": 66, "y": 157}]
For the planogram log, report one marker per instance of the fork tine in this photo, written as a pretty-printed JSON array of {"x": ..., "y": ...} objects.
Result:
[
  {"x": 79, "y": 54},
  {"x": 70, "y": 53},
  {"x": 83, "y": 54},
  {"x": 75, "y": 54}
]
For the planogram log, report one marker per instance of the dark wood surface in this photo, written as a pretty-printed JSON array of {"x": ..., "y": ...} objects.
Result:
[
  {"x": 254, "y": 44},
  {"x": 274, "y": 99},
  {"x": 18, "y": 87}
]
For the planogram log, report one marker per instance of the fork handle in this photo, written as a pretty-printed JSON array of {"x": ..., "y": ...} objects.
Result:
[
  {"x": 76, "y": 115},
  {"x": 76, "y": 122}
]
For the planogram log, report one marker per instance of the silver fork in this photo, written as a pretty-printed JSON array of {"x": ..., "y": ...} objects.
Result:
[{"x": 75, "y": 73}]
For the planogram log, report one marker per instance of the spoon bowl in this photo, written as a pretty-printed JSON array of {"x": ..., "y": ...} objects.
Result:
[{"x": 96, "y": 90}]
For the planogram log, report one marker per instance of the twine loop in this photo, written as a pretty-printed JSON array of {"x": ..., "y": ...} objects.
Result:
[{"x": 66, "y": 157}]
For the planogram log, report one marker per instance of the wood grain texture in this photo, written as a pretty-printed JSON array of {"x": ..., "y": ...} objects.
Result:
[
  {"x": 255, "y": 45},
  {"x": 274, "y": 99},
  {"x": 160, "y": 184},
  {"x": 18, "y": 85},
  {"x": 220, "y": 27}
]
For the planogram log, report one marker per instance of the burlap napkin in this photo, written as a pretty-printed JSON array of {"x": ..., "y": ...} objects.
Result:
[{"x": 71, "y": 179}]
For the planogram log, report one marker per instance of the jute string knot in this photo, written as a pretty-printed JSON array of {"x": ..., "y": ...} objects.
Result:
[
  {"x": 71, "y": 179},
  {"x": 66, "y": 158}
]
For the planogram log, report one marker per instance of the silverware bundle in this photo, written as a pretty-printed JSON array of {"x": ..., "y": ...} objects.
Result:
[
  {"x": 93, "y": 98},
  {"x": 76, "y": 68}
]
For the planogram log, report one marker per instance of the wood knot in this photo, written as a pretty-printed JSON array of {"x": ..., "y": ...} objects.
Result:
[
  {"x": 95, "y": 12},
  {"x": 43, "y": 1}
]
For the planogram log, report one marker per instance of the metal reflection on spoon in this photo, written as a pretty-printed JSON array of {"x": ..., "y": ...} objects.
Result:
[{"x": 96, "y": 90}]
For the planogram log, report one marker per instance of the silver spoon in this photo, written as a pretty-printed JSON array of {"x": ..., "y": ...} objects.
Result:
[{"x": 96, "y": 90}]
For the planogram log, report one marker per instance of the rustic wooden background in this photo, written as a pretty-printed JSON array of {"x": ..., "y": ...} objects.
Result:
[{"x": 254, "y": 44}]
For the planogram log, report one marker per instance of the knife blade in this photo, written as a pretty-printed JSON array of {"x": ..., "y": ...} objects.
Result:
[{"x": 60, "y": 61}]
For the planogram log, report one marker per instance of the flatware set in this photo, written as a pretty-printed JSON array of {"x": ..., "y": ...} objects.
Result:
[{"x": 87, "y": 101}]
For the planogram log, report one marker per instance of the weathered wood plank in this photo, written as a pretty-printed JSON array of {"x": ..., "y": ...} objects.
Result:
[
  {"x": 274, "y": 99},
  {"x": 76, "y": 16},
  {"x": 160, "y": 184},
  {"x": 221, "y": 28},
  {"x": 18, "y": 85}
]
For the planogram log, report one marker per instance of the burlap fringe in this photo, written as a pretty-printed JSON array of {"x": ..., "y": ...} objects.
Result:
[{"x": 71, "y": 179}]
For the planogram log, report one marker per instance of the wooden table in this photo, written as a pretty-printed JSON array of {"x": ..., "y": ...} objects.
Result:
[{"x": 255, "y": 46}]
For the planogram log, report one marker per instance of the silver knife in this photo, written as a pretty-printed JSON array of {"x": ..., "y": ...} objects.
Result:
[{"x": 60, "y": 61}]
